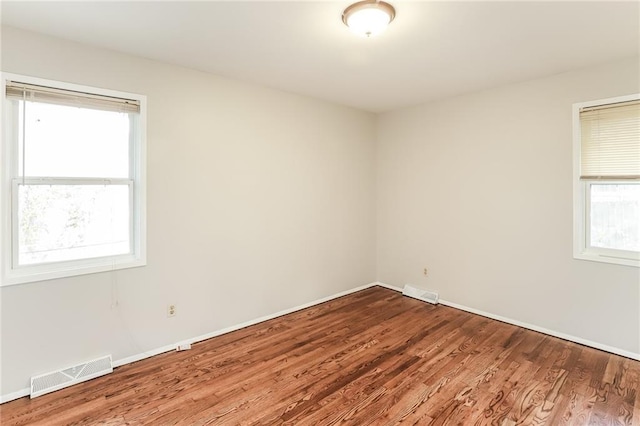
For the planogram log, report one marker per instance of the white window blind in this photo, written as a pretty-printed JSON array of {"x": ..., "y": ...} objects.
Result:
[
  {"x": 34, "y": 93},
  {"x": 73, "y": 171},
  {"x": 610, "y": 141}
]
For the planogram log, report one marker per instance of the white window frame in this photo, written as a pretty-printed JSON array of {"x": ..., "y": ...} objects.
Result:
[
  {"x": 12, "y": 273},
  {"x": 582, "y": 249}
]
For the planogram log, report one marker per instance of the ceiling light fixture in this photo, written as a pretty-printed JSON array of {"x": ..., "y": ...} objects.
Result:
[{"x": 368, "y": 17}]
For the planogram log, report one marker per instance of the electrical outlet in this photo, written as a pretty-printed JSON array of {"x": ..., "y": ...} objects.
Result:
[
  {"x": 171, "y": 310},
  {"x": 426, "y": 272}
]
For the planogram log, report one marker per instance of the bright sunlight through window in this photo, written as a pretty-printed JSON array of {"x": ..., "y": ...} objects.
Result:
[
  {"x": 76, "y": 162},
  {"x": 607, "y": 180}
]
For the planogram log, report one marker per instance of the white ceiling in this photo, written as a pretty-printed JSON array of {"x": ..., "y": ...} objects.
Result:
[{"x": 432, "y": 49}]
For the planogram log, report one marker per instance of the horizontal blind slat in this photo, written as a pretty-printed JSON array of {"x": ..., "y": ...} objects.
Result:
[
  {"x": 34, "y": 93},
  {"x": 610, "y": 141}
]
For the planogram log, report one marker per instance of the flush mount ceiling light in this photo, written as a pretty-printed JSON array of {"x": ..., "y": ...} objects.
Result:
[{"x": 368, "y": 17}]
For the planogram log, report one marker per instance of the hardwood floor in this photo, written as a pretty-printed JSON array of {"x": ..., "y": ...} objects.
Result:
[{"x": 373, "y": 357}]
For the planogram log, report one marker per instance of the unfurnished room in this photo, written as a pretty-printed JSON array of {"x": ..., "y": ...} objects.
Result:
[{"x": 320, "y": 213}]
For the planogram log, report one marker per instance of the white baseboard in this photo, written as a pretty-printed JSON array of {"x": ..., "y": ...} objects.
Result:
[
  {"x": 390, "y": 287},
  {"x": 146, "y": 354},
  {"x": 235, "y": 327},
  {"x": 564, "y": 336},
  {"x": 152, "y": 352},
  {"x": 14, "y": 395},
  {"x": 171, "y": 347}
]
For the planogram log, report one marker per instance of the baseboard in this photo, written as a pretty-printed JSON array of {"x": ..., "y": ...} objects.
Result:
[
  {"x": 14, "y": 395},
  {"x": 251, "y": 322},
  {"x": 390, "y": 287},
  {"x": 171, "y": 347},
  {"x": 144, "y": 355},
  {"x": 564, "y": 336},
  {"x": 147, "y": 354}
]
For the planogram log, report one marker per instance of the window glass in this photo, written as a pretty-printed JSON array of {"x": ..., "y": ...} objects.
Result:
[
  {"x": 67, "y": 222},
  {"x": 615, "y": 216},
  {"x": 73, "y": 162},
  {"x": 64, "y": 141},
  {"x": 606, "y": 197}
]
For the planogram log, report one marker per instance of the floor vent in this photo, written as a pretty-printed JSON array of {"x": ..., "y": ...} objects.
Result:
[
  {"x": 424, "y": 295},
  {"x": 56, "y": 380}
]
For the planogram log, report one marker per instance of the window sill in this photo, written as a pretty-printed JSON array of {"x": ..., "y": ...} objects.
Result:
[
  {"x": 597, "y": 257},
  {"x": 62, "y": 270}
]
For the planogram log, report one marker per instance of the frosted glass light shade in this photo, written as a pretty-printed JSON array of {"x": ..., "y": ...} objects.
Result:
[{"x": 369, "y": 17}]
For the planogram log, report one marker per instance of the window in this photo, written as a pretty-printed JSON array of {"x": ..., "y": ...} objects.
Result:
[
  {"x": 73, "y": 187},
  {"x": 607, "y": 180}
]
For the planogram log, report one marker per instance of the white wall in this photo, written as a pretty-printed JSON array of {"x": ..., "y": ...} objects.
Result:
[
  {"x": 478, "y": 188},
  {"x": 258, "y": 201}
]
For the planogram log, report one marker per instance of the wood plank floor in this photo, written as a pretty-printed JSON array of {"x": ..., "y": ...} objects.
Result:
[{"x": 373, "y": 357}]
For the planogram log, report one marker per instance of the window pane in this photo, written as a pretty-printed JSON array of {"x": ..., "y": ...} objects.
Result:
[
  {"x": 68, "y": 222},
  {"x": 615, "y": 216},
  {"x": 63, "y": 141}
]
